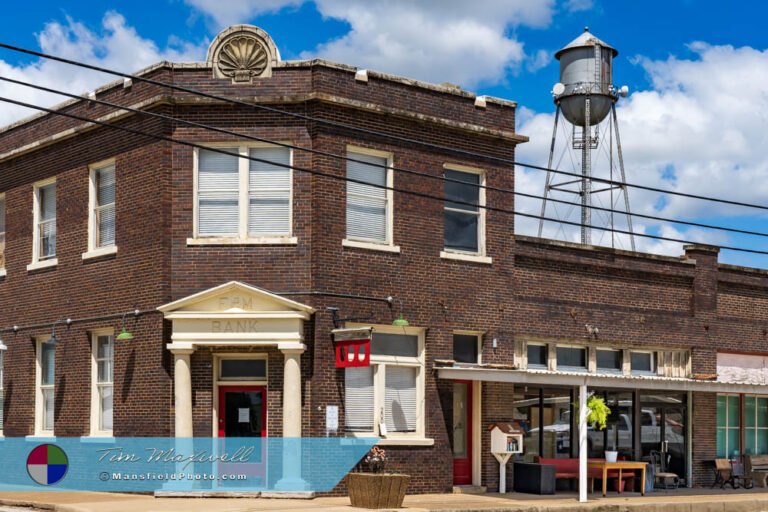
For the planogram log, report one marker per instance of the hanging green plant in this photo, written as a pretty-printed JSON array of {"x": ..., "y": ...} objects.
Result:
[{"x": 598, "y": 412}]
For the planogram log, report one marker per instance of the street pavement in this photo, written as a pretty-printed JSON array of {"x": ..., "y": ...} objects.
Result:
[{"x": 684, "y": 500}]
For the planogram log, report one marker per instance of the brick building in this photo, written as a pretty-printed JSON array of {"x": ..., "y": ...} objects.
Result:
[{"x": 236, "y": 277}]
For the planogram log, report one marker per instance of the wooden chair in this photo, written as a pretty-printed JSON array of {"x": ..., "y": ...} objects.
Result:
[
  {"x": 757, "y": 469},
  {"x": 663, "y": 479},
  {"x": 724, "y": 474}
]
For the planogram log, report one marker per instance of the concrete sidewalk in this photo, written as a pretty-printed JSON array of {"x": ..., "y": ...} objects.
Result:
[{"x": 684, "y": 500}]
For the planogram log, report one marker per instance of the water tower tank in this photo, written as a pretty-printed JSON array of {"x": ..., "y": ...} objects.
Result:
[{"x": 585, "y": 71}]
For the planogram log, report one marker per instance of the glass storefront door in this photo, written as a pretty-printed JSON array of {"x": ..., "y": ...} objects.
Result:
[{"x": 662, "y": 429}]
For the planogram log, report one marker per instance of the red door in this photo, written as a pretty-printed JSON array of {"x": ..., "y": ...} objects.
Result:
[
  {"x": 243, "y": 413},
  {"x": 462, "y": 432}
]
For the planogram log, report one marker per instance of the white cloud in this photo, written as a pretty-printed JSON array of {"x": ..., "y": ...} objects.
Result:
[
  {"x": 578, "y": 5},
  {"x": 229, "y": 12},
  {"x": 118, "y": 46},
  {"x": 437, "y": 41},
  {"x": 539, "y": 60},
  {"x": 700, "y": 129},
  {"x": 434, "y": 40}
]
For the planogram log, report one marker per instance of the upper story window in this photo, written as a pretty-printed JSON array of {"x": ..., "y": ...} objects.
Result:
[
  {"x": 466, "y": 348},
  {"x": 241, "y": 200},
  {"x": 571, "y": 358},
  {"x": 101, "y": 221},
  {"x": 609, "y": 360},
  {"x": 369, "y": 202},
  {"x": 2, "y": 236},
  {"x": 537, "y": 355},
  {"x": 642, "y": 363},
  {"x": 44, "y": 213},
  {"x": 464, "y": 214},
  {"x": 386, "y": 398}
]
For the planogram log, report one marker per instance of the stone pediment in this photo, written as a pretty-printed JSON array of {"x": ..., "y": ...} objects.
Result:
[{"x": 236, "y": 300}]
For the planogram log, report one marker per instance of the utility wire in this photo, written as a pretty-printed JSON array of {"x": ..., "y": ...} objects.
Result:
[
  {"x": 351, "y": 159},
  {"x": 374, "y": 133},
  {"x": 347, "y": 179}
]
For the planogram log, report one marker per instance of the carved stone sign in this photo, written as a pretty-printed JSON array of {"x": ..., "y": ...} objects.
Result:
[{"x": 242, "y": 53}]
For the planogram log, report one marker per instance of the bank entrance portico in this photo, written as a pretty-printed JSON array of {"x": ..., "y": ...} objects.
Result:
[{"x": 236, "y": 316}]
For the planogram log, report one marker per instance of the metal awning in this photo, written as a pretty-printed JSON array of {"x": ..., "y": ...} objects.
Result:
[{"x": 544, "y": 377}]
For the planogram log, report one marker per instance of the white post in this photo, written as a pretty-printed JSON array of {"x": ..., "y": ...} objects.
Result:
[
  {"x": 291, "y": 480},
  {"x": 182, "y": 378},
  {"x": 583, "y": 412},
  {"x": 502, "y": 458}
]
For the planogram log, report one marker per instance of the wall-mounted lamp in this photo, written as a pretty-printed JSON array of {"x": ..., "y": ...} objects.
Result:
[
  {"x": 400, "y": 322},
  {"x": 53, "y": 340},
  {"x": 125, "y": 334}
]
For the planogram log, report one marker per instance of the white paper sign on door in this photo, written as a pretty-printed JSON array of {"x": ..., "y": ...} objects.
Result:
[{"x": 244, "y": 415}]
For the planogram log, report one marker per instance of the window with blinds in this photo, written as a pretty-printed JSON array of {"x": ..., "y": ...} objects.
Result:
[
  {"x": 46, "y": 222},
  {"x": 400, "y": 398},
  {"x": 104, "y": 207},
  {"x": 368, "y": 203},
  {"x": 269, "y": 192},
  {"x": 240, "y": 198},
  {"x": 463, "y": 215},
  {"x": 383, "y": 398},
  {"x": 359, "y": 399},
  {"x": 218, "y": 180},
  {"x": 2, "y": 241}
]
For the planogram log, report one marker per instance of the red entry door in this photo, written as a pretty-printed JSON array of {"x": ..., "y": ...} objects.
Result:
[
  {"x": 462, "y": 432},
  {"x": 243, "y": 413}
]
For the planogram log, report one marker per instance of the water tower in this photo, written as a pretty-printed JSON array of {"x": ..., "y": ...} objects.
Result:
[{"x": 586, "y": 97}]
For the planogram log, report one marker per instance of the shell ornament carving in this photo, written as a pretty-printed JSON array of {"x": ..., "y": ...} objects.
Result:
[{"x": 242, "y": 58}]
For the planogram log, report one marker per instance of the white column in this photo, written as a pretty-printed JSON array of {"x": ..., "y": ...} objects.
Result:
[
  {"x": 583, "y": 412},
  {"x": 292, "y": 449},
  {"x": 292, "y": 393},
  {"x": 182, "y": 391}
]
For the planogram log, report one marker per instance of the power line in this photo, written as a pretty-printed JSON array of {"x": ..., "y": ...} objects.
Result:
[
  {"x": 351, "y": 159},
  {"x": 375, "y": 133},
  {"x": 347, "y": 179}
]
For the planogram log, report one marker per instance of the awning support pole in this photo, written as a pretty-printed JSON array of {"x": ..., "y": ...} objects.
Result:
[{"x": 583, "y": 412}]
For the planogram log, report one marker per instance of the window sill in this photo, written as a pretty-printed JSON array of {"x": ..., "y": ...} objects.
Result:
[
  {"x": 406, "y": 441},
  {"x": 102, "y": 251},
  {"x": 371, "y": 246},
  {"x": 265, "y": 240},
  {"x": 37, "y": 265},
  {"x": 98, "y": 438},
  {"x": 41, "y": 437},
  {"x": 460, "y": 256}
]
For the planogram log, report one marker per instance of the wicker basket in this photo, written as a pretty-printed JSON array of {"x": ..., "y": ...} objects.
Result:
[{"x": 377, "y": 490}]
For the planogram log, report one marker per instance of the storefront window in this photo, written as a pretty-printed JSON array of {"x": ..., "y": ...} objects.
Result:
[
  {"x": 525, "y": 413},
  {"x": 755, "y": 424},
  {"x": 557, "y": 424},
  {"x": 728, "y": 425}
]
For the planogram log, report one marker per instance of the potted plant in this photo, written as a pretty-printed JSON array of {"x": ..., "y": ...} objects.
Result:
[
  {"x": 597, "y": 418},
  {"x": 373, "y": 487}
]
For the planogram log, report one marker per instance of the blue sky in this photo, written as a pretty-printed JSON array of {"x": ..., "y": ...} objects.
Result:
[{"x": 697, "y": 70}]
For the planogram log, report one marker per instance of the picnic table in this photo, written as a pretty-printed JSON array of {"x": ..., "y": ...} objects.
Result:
[{"x": 619, "y": 465}]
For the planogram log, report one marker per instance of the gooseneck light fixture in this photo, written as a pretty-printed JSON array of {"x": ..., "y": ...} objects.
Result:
[
  {"x": 401, "y": 321},
  {"x": 125, "y": 334},
  {"x": 53, "y": 340}
]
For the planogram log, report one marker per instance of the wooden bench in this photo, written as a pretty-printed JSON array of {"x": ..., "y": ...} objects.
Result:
[
  {"x": 757, "y": 469},
  {"x": 569, "y": 469}
]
